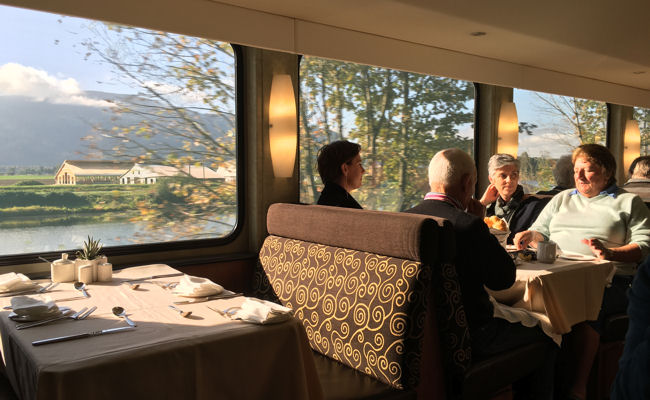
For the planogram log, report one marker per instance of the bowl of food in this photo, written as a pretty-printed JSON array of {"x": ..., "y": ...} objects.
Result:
[{"x": 499, "y": 228}]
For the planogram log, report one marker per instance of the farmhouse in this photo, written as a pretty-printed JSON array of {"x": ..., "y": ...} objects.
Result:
[
  {"x": 73, "y": 172},
  {"x": 149, "y": 174}
]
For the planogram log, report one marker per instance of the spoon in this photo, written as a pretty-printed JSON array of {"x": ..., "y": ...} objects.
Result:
[
  {"x": 121, "y": 312},
  {"x": 183, "y": 314},
  {"x": 81, "y": 286}
]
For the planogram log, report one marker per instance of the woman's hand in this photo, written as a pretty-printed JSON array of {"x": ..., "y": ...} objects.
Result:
[
  {"x": 490, "y": 196},
  {"x": 630, "y": 253},
  {"x": 524, "y": 238},
  {"x": 598, "y": 248}
]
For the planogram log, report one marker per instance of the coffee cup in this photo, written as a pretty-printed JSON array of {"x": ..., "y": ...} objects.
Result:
[{"x": 546, "y": 251}]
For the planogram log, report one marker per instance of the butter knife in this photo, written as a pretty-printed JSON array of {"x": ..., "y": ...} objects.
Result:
[
  {"x": 81, "y": 335},
  {"x": 154, "y": 277},
  {"x": 208, "y": 298}
]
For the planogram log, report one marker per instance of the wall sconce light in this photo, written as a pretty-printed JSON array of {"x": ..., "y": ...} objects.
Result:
[
  {"x": 631, "y": 143},
  {"x": 508, "y": 130},
  {"x": 283, "y": 134}
]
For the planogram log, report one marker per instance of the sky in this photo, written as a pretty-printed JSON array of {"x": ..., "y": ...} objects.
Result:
[
  {"x": 42, "y": 57},
  {"x": 48, "y": 42}
]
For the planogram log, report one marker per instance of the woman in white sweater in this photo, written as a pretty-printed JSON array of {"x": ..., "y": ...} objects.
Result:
[{"x": 596, "y": 218}]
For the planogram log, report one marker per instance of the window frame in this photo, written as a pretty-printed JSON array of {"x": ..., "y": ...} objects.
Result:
[{"x": 132, "y": 249}]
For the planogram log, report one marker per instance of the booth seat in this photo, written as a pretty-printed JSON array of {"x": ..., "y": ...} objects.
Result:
[{"x": 378, "y": 295}]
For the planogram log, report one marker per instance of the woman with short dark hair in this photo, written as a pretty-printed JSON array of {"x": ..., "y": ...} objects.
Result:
[{"x": 341, "y": 170}]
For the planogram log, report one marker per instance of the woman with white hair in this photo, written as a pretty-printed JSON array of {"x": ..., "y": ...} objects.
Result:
[{"x": 506, "y": 199}]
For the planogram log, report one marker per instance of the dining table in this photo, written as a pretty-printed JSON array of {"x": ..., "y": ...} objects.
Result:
[
  {"x": 555, "y": 295},
  {"x": 204, "y": 355}
]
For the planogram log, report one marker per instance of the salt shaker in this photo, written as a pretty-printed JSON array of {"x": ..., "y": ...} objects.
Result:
[
  {"x": 63, "y": 270},
  {"x": 85, "y": 271},
  {"x": 105, "y": 272}
]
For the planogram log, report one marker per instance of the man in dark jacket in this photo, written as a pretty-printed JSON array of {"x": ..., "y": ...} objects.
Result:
[{"x": 480, "y": 261}]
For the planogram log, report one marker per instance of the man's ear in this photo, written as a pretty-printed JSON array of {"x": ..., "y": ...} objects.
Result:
[{"x": 490, "y": 179}]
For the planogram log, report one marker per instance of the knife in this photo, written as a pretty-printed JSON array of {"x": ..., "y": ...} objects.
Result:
[
  {"x": 82, "y": 335},
  {"x": 208, "y": 298},
  {"x": 154, "y": 277}
]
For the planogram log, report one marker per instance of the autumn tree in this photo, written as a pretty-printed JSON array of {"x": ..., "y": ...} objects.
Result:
[
  {"x": 400, "y": 120},
  {"x": 642, "y": 116},
  {"x": 182, "y": 116}
]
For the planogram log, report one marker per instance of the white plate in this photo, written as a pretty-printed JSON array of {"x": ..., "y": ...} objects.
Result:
[
  {"x": 577, "y": 257},
  {"x": 29, "y": 318}
]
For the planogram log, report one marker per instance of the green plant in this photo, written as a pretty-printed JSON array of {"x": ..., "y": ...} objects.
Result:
[{"x": 90, "y": 249}]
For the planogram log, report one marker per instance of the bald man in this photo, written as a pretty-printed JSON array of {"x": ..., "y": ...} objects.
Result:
[{"x": 480, "y": 261}]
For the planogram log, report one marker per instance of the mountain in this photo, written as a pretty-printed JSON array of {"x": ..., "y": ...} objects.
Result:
[{"x": 44, "y": 133}]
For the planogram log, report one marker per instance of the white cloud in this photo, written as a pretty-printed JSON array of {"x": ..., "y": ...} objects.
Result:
[
  {"x": 20, "y": 80},
  {"x": 547, "y": 144}
]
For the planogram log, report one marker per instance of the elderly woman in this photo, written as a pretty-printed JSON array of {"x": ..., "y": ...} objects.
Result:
[
  {"x": 600, "y": 219},
  {"x": 341, "y": 170},
  {"x": 505, "y": 198}
]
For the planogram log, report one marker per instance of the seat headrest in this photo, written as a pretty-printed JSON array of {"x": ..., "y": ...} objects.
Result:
[{"x": 406, "y": 236}]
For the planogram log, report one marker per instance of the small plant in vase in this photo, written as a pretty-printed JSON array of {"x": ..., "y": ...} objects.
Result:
[
  {"x": 90, "y": 249},
  {"x": 88, "y": 256}
]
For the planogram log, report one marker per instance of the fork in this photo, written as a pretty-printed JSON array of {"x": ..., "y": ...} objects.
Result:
[{"x": 47, "y": 287}]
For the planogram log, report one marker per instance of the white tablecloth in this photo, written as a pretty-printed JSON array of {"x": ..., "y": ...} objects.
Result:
[
  {"x": 206, "y": 356},
  {"x": 558, "y": 295}
]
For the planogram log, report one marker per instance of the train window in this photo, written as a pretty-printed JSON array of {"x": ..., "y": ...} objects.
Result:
[
  {"x": 400, "y": 119},
  {"x": 642, "y": 116},
  {"x": 124, "y": 134},
  {"x": 551, "y": 126}
]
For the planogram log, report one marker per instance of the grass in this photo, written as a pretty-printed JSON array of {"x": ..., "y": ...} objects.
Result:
[{"x": 24, "y": 177}]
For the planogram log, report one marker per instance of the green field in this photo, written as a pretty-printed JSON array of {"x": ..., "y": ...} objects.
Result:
[
  {"x": 34, "y": 205},
  {"x": 24, "y": 177}
]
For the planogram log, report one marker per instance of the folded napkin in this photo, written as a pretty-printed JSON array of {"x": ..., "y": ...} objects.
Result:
[
  {"x": 13, "y": 282},
  {"x": 261, "y": 312},
  {"x": 193, "y": 286},
  {"x": 33, "y": 309}
]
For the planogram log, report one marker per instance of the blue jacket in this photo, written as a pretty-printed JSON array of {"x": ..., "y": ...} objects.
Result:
[{"x": 632, "y": 380}]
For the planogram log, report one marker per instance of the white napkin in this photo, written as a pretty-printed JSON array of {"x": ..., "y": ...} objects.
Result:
[
  {"x": 261, "y": 312},
  {"x": 33, "y": 309},
  {"x": 13, "y": 282},
  {"x": 194, "y": 286}
]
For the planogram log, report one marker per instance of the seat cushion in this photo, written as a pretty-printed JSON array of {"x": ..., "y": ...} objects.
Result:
[
  {"x": 488, "y": 376},
  {"x": 340, "y": 382}
]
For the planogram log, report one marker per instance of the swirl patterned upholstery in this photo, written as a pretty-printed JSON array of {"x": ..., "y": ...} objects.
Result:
[
  {"x": 362, "y": 309},
  {"x": 360, "y": 281}
]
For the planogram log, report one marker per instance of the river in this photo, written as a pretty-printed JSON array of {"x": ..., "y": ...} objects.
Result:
[{"x": 53, "y": 238}]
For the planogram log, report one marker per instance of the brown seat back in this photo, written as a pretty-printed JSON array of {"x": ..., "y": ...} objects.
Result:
[{"x": 357, "y": 281}]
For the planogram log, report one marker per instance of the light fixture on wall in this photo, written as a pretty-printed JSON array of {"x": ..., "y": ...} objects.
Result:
[
  {"x": 631, "y": 143},
  {"x": 508, "y": 129},
  {"x": 283, "y": 134}
]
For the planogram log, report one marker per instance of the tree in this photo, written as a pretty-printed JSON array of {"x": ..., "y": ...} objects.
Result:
[
  {"x": 642, "y": 116},
  {"x": 182, "y": 115},
  {"x": 583, "y": 119},
  {"x": 400, "y": 120}
]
